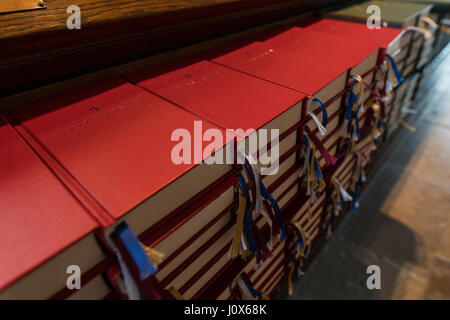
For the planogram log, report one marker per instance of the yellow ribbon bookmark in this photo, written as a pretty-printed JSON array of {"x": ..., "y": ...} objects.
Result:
[
  {"x": 156, "y": 257},
  {"x": 407, "y": 125},
  {"x": 236, "y": 245},
  {"x": 336, "y": 198},
  {"x": 375, "y": 131},
  {"x": 360, "y": 102},
  {"x": 175, "y": 293},
  {"x": 291, "y": 273}
]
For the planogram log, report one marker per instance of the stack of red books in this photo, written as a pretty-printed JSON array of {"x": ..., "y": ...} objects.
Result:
[
  {"x": 412, "y": 52},
  {"x": 207, "y": 177}
]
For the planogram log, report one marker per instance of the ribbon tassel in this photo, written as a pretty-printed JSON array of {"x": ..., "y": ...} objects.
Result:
[
  {"x": 320, "y": 125},
  {"x": 328, "y": 221},
  {"x": 248, "y": 292},
  {"x": 344, "y": 128},
  {"x": 322, "y": 130},
  {"x": 306, "y": 154},
  {"x": 313, "y": 175},
  {"x": 259, "y": 206},
  {"x": 329, "y": 159},
  {"x": 357, "y": 179},
  {"x": 314, "y": 142},
  {"x": 238, "y": 243},
  {"x": 302, "y": 238},
  {"x": 360, "y": 101},
  {"x": 136, "y": 265},
  {"x": 247, "y": 237},
  {"x": 351, "y": 100},
  {"x": 426, "y": 33},
  {"x": 352, "y": 111},
  {"x": 290, "y": 278},
  {"x": 276, "y": 208},
  {"x": 393, "y": 66},
  {"x": 156, "y": 257},
  {"x": 175, "y": 293},
  {"x": 375, "y": 132},
  {"x": 343, "y": 193},
  {"x": 340, "y": 196}
]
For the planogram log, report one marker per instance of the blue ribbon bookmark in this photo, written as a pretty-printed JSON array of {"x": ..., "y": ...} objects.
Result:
[
  {"x": 248, "y": 221},
  {"x": 394, "y": 67},
  {"x": 352, "y": 99},
  {"x": 276, "y": 208},
  {"x": 273, "y": 202},
  {"x": 301, "y": 241},
  {"x": 252, "y": 290},
  {"x": 355, "y": 116},
  {"x": 355, "y": 193},
  {"x": 324, "y": 111},
  {"x": 132, "y": 244},
  {"x": 317, "y": 169}
]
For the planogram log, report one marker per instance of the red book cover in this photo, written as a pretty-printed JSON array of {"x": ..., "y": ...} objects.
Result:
[
  {"x": 39, "y": 216},
  {"x": 114, "y": 139},
  {"x": 295, "y": 70},
  {"x": 357, "y": 31},
  {"x": 231, "y": 99},
  {"x": 324, "y": 45}
]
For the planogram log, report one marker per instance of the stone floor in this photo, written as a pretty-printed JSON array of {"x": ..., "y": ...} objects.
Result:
[{"x": 403, "y": 223}]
